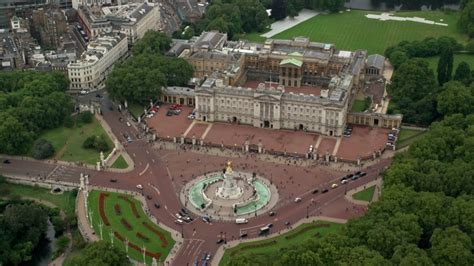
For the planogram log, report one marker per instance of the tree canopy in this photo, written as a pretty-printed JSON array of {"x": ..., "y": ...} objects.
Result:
[
  {"x": 29, "y": 103},
  {"x": 466, "y": 21},
  {"x": 100, "y": 253},
  {"x": 141, "y": 77}
]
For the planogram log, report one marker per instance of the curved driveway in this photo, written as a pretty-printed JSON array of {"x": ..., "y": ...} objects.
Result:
[{"x": 163, "y": 172}]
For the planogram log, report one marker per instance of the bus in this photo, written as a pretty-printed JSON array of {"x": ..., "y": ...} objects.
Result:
[
  {"x": 241, "y": 221},
  {"x": 264, "y": 230}
]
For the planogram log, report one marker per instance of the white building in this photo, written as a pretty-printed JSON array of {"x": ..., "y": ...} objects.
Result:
[
  {"x": 273, "y": 107},
  {"x": 89, "y": 72}
]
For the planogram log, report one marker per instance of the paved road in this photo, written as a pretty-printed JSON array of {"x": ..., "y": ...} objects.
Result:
[{"x": 162, "y": 174}]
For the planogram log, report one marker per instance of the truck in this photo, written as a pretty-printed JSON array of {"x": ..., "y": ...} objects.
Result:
[
  {"x": 241, "y": 221},
  {"x": 264, "y": 230}
]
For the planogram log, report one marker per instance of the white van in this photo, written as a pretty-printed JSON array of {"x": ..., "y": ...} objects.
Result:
[{"x": 241, "y": 221}]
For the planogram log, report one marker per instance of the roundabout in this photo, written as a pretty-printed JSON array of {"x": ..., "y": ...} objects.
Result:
[{"x": 229, "y": 194}]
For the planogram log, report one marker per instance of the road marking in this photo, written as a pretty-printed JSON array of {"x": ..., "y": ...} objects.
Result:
[
  {"x": 51, "y": 173},
  {"x": 147, "y": 152},
  {"x": 155, "y": 188},
  {"x": 153, "y": 160},
  {"x": 144, "y": 170},
  {"x": 166, "y": 207}
]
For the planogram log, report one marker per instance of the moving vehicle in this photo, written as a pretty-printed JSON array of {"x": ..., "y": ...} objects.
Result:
[
  {"x": 264, "y": 230},
  {"x": 241, "y": 221},
  {"x": 157, "y": 205},
  {"x": 169, "y": 113},
  {"x": 272, "y": 213},
  {"x": 243, "y": 234},
  {"x": 298, "y": 199},
  {"x": 179, "y": 216},
  {"x": 345, "y": 181},
  {"x": 179, "y": 221},
  {"x": 333, "y": 186},
  {"x": 113, "y": 180},
  {"x": 315, "y": 191},
  {"x": 219, "y": 241},
  {"x": 325, "y": 190},
  {"x": 7, "y": 161},
  {"x": 139, "y": 186}
]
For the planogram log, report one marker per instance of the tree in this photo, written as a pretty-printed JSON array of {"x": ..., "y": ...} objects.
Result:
[
  {"x": 153, "y": 42},
  {"x": 445, "y": 65},
  {"x": 410, "y": 255},
  {"x": 451, "y": 247},
  {"x": 21, "y": 227},
  {"x": 463, "y": 73},
  {"x": 98, "y": 143},
  {"x": 455, "y": 98},
  {"x": 279, "y": 9},
  {"x": 291, "y": 10},
  {"x": 397, "y": 58},
  {"x": 42, "y": 149},
  {"x": 84, "y": 117},
  {"x": 100, "y": 253},
  {"x": 14, "y": 138},
  {"x": 466, "y": 20}
]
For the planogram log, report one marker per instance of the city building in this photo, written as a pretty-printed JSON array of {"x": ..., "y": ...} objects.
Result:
[
  {"x": 280, "y": 84},
  {"x": 50, "y": 25},
  {"x": 88, "y": 73},
  {"x": 375, "y": 66},
  {"x": 20, "y": 8},
  {"x": 133, "y": 19}
]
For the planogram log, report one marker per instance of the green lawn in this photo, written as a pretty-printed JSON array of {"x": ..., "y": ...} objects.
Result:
[
  {"x": 154, "y": 243},
  {"x": 358, "y": 106},
  {"x": 264, "y": 249},
  {"x": 458, "y": 58},
  {"x": 67, "y": 142},
  {"x": 136, "y": 109},
  {"x": 407, "y": 136},
  {"x": 365, "y": 195},
  {"x": 120, "y": 163},
  {"x": 352, "y": 30},
  {"x": 65, "y": 201}
]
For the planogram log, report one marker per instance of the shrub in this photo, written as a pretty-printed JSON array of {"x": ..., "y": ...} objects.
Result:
[
  {"x": 42, "y": 149},
  {"x": 68, "y": 121},
  {"x": 118, "y": 210},
  {"x": 98, "y": 143},
  {"x": 142, "y": 237},
  {"x": 126, "y": 224},
  {"x": 84, "y": 117}
]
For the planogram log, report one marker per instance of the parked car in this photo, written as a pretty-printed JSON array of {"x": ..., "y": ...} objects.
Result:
[
  {"x": 243, "y": 234},
  {"x": 345, "y": 181},
  {"x": 219, "y": 241},
  {"x": 139, "y": 186},
  {"x": 113, "y": 180},
  {"x": 157, "y": 205},
  {"x": 128, "y": 124},
  {"x": 148, "y": 197},
  {"x": 179, "y": 221},
  {"x": 272, "y": 213},
  {"x": 355, "y": 177},
  {"x": 362, "y": 174},
  {"x": 6, "y": 161},
  {"x": 298, "y": 199},
  {"x": 177, "y": 111},
  {"x": 287, "y": 223},
  {"x": 169, "y": 113},
  {"x": 325, "y": 190},
  {"x": 184, "y": 210},
  {"x": 315, "y": 191},
  {"x": 333, "y": 186}
]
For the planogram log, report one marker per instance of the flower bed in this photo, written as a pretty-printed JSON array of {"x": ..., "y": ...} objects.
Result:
[
  {"x": 126, "y": 224},
  {"x": 118, "y": 210},
  {"x": 132, "y": 205},
  {"x": 137, "y": 248},
  {"x": 164, "y": 242},
  {"x": 102, "y": 197},
  {"x": 143, "y": 237}
]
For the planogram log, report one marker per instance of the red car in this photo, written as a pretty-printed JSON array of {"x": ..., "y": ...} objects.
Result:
[{"x": 176, "y": 106}]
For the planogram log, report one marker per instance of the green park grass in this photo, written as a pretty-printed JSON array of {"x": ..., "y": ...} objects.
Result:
[
  {"x": 153, "y": 245},
  {"x": 67, "y": 142},
  {"x": 65, "y": 201},
  {"x": 120, "y": 163},
  {"x": 136, "y": 109},
  {"x": 408, "y": 136},
  {"x": 352, "y": 30},
  {"x": 358, "y": 106},
  {"x": 265, "y": 248},
  {"x": 458, "y": 58},
  {"x": 365, "y": 195}
]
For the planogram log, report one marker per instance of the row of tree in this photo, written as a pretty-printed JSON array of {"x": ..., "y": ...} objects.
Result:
[
  {"x": 466, "y": 21},
  {"x": 29, "y": 103},
  {"x": 140, "y": 78},
  {"x": 283, "y": 8}
]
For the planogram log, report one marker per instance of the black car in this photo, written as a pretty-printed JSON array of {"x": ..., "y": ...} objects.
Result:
[
  {"x": 272, "y": 213},
  {"x": 148, "y": 197},
  {"x": 315, "y": 191},
  {"x": 270, "y": 225},
  {"x": 362, "y": 174},
  {"x": 358, "y": 173},
  {"x": 287, "y": 223},
  {"x": 343, "y": 178},
  {"x": 349, "y": 176},
  {"x": 220, "y": 240},
  {"x": 113, "y": 180},
  {"x": 157, "y": 205},
  {"x": 355, "y": 177},
  {"x": 7, "y": 161},
  {"x": 98, "y": 95},
  {"x": 243, "y": 234},
  {"x": 169, "y": 113},
  {"x": 183, "y": 210},
  {"x": 325, "y": 190}
]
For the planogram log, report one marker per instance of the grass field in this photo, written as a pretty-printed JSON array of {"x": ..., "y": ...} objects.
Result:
[
  {"x": 154, "y": 244},
  {"x": 120, "y": 163},
  {"x": 352, "y": 30},
  {"x": 295, "y": 236},
  {"x": 65, "y": 201},
  {"x": 407, "y": 136},
  {"x": 365, "y": 195},
  {"x": 135, "y": 109},
  {"x": 358, "y": 106},
  {"x": 458, "y": 58},
  {"x": 67, "y": 142}
]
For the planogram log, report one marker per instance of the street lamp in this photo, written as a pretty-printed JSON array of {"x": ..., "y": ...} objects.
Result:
[
  {"x": 307, "y": 214},
  {"x": 255, "y": 205},
  {"x": 182, "y": 233}
]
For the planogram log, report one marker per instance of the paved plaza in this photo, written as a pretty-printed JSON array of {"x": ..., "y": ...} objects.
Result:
[{"x": 363, "y": 142}]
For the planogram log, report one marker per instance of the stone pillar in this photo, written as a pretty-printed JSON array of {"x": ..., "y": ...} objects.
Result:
[
  {"x": 246, "y": 146},
  {"x": 154, "y": 136},
  {"x": 125, "y": 104},
  {"x": 374, "y": 155},
  {"x": 81, "y": 181},
  {"x": 194, "y": 140},
  {"x": 151, "y": 103},
  {"x": 201, "y": 142},
  {"x": 144, "y": 110},
  {"x": 335, "y": 159},
  {"x": 327, "y": 157},
  {"x": 139, "y": 119},
  {"x": 175, "y": 140},
  {"x": 102, "y": 159},
  {"x": 260, "y": 147},
  {"x": 147, "y": 129},
  {"x": 182, "y": 139},
  {"x": 393, "y": 147},
  {"x": 358, "y": 161},
  {"x": 98, "y": 166}
]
